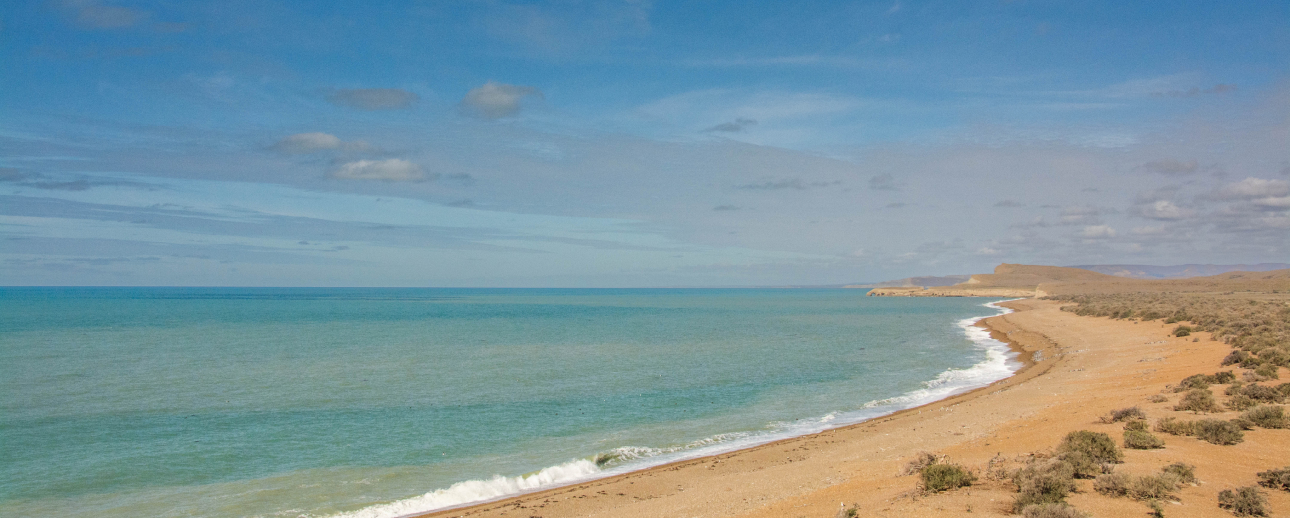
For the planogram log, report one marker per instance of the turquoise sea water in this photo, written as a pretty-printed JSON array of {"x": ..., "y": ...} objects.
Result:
[{"x": 382, "y": 402}]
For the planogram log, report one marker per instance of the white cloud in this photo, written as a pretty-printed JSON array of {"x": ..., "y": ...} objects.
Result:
[
  {"x": 1253, "y": 188},
  {"x": 1274, "y": 202},
  {"x": 317, "y": 141},
  {"x": 1097, "y": 232},
  {"x": 496, "y": 100},
  {"x": 1171, "y": 167},
  {"x": 390, "y": 170},
  {"x": 1164, "y": 210}
]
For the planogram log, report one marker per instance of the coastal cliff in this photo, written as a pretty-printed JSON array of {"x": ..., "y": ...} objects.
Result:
[{"x": 949, "y": 291}]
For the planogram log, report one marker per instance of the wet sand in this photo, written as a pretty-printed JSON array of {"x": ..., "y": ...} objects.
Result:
[{"x": 1082, "y": 368}]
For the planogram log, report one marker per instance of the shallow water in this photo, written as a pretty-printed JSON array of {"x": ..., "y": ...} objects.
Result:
[{"x": 381, "y": 402}]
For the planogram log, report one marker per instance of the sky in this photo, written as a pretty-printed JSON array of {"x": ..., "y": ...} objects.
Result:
[{"x": 634, "y": 143}]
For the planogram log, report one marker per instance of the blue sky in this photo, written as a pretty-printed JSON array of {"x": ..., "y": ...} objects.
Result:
[{"x": 634, "y": 143}]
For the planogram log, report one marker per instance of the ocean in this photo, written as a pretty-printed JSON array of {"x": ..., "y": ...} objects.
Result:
[{"x": 231, "y": 402}]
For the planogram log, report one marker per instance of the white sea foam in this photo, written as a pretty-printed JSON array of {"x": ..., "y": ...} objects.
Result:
[
  {"x": 472, "y": 491},
  {"x": 998, "y": 364}
]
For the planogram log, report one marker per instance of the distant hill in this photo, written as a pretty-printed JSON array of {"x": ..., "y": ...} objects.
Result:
[
  {"x": 1181, "y": 271},
  {"x": 1021, "y": 280}
]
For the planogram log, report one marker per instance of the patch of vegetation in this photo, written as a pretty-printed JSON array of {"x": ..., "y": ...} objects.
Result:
[
  {"x": 1243, "y": 423},
  {"x": 1172, "y": 426},
  {"x": 1157, "y": 398},
  {"x": 1239, "y": 403},
  {"x": 1125, "y": 414},
  {"x": 1154, "y": 487},
  {"x": 1046, "y": 481},
  {"x": 943, "y": 477},
  {"x": 1267, "y": 371},
  {"x": 1268, "y": 417},
  {"x": 1244, "y": 501},
  {"x": 1275, "y": 478},
  {"x": 1222, "y": 378},
  {"x": 1136, "y": 426},
  {"x": 1113, "y": 484},
  {"x": 1284, "y": 389},
  {"x": 1182, "y": 331},
  {"x": 1198, "y": 400},
  {"x": 1217, "y": 431},
  {"x": 1096, "y": 445},
  {"x": 921, "y": 461},
  {"x": 1185, "y": 473},
  {"x": 1193, "y": 382},
  {"x": 1140, "y": 440},
  {"x": 1262, "y": 393},
  {"x": 1052, "y": 511}
]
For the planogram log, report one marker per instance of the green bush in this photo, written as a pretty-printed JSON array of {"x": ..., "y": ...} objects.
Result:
[
  {"x": 1185, "y": 473},
  {"x": 921, "y": 461},
  {"x": 1235, "y": 357},
  {"x": 1138, "y": 440},
  {"x": 1113, "y": 484},
  {"x": 1283, "y": 389},
  {"x": 1125, "y": 414},
  {"x": 1275, "y": 478},
  {"x": 1262, "y": 393},
  {"x": 1217, "y": 431},
  {"x": 1242, "y": 423},
  {"x": 1198, "y": 400},
  {"x": 1223, "y": 377},
  {"x": 1193, "y": 382},
  {"x": 1052, "y": 511},
  {"x": 1173, "y": 426},
  {"x": 1244, "y": 501},
  {"x": 1137, "y": 426},
  {"x": 1154, "y": 487},
  {"x": 943, "y": 477},
  {"x": 1043, "y": 482},
  {"x": 1267, "y": 371},
  {"x": 1096, "y": 445},
  {"x": 1239, "y": 403},
  {"x": 1182, "y": 331},
  {"x": 1268, "y": 417},
  {"x": 1235, "y": 388}
]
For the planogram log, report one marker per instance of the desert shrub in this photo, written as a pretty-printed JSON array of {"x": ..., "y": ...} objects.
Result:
[
  {"x": 1154, "y": 487},
  {"x": 1185, "y": 473},
  {"x": 1242, "y": 423},
  {"x": 943, "y": 477},
  {"x": 848, "y": 512},
  {"x": 1235, "y": 388},
  {"x": 1096, "y": 445},
  {"x": 1268, "y": 417},
  {"x": 1138, "y": 440},
  {"x": 1284, "y": 389},
  {"x": 1223, "y": 377},
  {"x": 1125, "y": 414},
  {"x": 1052, "y": 511},
  {"x": 1240, "y": 402},
  {"x": 921, "y": 460},
  {"x": 1173, "y": 426},
  {"x": 1244, "y": 501},
  {"x": 1136, "y": 426},
  {"x": 1274, "y": 356},
  {"x": 1235, "y": 357},
  {"x": 1157, "y": 398},
  {"x": 1182, "y": 331},
  {"x": 1275, "y": 478},
  {"x": 1267, "y": 371},
  {"x": 1198, "y": 400},
  {"x": 1263, "y": 393},
  {"x": 1113, "y": 484},
  {"x": 1217, "y": 431},
  {"x": 1157, "y": 510},
  {"x": 1193, "y": 382},
  {"x": 1043, "y": 482}
]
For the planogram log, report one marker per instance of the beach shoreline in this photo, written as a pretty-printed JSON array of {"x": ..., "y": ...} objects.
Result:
[
  {"x": 1020, "y": 355},
  {"x": 1104, "y": 364}
]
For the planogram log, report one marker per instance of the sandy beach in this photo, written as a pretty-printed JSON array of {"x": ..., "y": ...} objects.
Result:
[{"x": 1078, "y": 369}]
